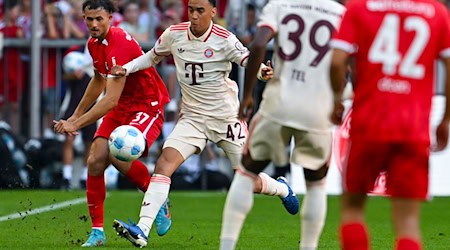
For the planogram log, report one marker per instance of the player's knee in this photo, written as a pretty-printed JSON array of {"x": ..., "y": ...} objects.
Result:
[
  {"x": 253, "y": 166},
  {"x": 315, "y": 175},
  {"x": 96, "y": 164}
]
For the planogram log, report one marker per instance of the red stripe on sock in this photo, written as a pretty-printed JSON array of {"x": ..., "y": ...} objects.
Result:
[
  {"x": 139, "y": 175},
  {"x": 354, "y": 236},
  {"x": 96, "y": 193},
  {"x": 161, "y": 179}
]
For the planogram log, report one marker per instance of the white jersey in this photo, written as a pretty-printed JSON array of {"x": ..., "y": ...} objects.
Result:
[
  {"x": 203, "y": 65},
  {"x": 299, "y": 95}
]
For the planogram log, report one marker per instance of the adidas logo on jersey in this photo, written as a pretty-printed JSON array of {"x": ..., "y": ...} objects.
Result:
[{"x": 180, "y": 50}]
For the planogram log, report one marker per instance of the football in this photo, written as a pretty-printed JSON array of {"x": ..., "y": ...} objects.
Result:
[
  {"x": 126, "y": 143},
  {"x": 74, "y": 61}
]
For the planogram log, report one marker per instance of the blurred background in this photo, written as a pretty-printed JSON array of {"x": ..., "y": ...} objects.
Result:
[{"x": 38, "y": 86}]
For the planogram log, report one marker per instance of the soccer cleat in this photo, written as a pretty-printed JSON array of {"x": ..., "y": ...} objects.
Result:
[
  {"x": 163, "y": 220},
  {"x": 96, "y": 239},
  {"x": 131, "y": 232},
  {"x": 290, "y": 202}
]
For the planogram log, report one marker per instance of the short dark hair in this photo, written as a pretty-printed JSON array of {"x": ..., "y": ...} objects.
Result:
[
  {"x": 95, "y": 4},
  {"x": 212, "y": 2},
  {"x": 9, "y": 4}
]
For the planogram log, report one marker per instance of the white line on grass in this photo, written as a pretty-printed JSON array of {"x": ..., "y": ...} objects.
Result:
[{"x": 42, "y": 209}]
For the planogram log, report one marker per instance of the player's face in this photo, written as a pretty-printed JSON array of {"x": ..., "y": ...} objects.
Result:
[
  {"x": 201, "y": 12},
  {"x": 97, "y": 21}
]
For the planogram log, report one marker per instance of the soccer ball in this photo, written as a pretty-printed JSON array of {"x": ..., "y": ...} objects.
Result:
[
  {"x": 73, "y": 62},
  {"x": 126, "y": 143}
]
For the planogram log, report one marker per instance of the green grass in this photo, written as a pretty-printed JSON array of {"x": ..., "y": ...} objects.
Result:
[{"x": 197, "y": 218}]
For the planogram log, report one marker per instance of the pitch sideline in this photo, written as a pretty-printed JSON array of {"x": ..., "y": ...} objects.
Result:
[{"x": 43, "y": 209}]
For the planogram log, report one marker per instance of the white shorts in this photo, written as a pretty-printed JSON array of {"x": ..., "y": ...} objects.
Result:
[
  {"x": 268, "y": 141},
  {"x": 191, "y": 134}
]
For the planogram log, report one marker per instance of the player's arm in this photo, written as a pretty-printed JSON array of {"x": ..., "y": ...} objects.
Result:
[
  {"x": 114, "y": 86},
  {"x": 257, "y": 52},
  {"x": 338, "y": 70},
  {"x": 442, "y": 129},
  {"x": 142, "y": 62},
  {"x": 151, "y": 58},
  {"x": 94, "y": 89}
]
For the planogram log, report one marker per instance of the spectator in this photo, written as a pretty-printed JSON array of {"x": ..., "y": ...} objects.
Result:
[
  {"x": 76, "y": 26},
  {"x": 130, "y": 22},
  {"x": 53, "y": 29},
  {"x": 144, "y": 16},
  {"x": 11, "y": 70}
]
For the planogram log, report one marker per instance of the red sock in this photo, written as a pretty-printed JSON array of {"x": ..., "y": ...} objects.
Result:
[
  {"x": 139, "y": 175},
  {"x": 354, "y": 236},
  {"x": 408, "y": 244},
  {"x": 96, "y": 193}
]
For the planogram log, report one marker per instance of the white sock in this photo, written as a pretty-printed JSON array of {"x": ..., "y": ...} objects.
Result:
[
  {"x": 154, "y": 198},
  {"x": 98, "y": 228},
  {"x": 84, "y": 173},
  {"x": 272, "y": 187},
  {"x": 67, "y": 171},
  {"x": 314, "y": 209},
  {"x": 238, "y": 204}
]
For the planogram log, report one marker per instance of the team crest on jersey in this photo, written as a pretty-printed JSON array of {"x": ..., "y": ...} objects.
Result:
[{"x": 208, "y": 53}]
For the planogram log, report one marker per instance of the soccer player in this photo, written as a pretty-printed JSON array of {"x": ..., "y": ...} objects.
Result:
[
  {"x": 296, "y": 105},
  {"x": 137, "y": 100},
  {"x": 203, "y": 53},
  {"x": 395, "y": 45}
]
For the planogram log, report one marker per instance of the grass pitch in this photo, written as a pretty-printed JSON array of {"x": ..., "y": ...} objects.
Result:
[{"x": 196, "y": 222}]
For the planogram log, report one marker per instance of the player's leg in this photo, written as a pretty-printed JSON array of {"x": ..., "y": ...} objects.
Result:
[
  {"x": 366, "y": 159},
  {"x": 314, "y": 207},
  {"x": 248, "y": 178},
  {"x": 185, "y": 140},
  {"x": 312, "y": 151},
  {"x": 239, "y": 200},
  {"x": 408, "y": 192},
  {"x": 154, "y": 198},
  {"x": 96, "y": 190},
  {"x": 406, "y": 214},
  {"x": 150, "y": 124},
  {"x": 353, "y": 230}
]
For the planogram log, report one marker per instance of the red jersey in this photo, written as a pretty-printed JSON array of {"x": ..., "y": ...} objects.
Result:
[
  {"x": 395, "y": 44},
  {"x": 11, "y": 66},
  {"x": 142, "y": 88}
]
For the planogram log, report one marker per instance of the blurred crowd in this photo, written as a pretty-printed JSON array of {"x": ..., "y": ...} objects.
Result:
[{"x": 62, "y": 20}]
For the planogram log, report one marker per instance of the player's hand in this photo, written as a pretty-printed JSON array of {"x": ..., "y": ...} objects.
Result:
[
  {"x": 65, "y": 127},
  {"x": 441, "y": 136},
  {"x": 118, "y": 70},
  {"x": 246, "y": 108},
  {"x": 337, "y": 113},
  {"x": 267, "y": 72}
]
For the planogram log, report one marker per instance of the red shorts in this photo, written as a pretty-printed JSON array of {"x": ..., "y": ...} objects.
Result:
[
  {"x": 149, "y": 123},
  {"x": 406, "y": 165}
]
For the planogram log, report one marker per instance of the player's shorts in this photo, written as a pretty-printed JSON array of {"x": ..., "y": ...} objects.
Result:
[
  {"x": 192, "y": 132},
  {"x": 406, "y": 165},
  {"x": 268, "y": 141},
  {"x": 149, "y": 123}
]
